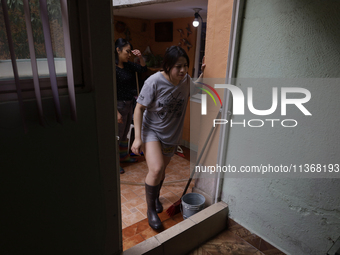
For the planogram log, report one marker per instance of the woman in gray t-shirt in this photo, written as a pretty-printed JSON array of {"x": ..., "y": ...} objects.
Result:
[{"x": 158, "y": 121}]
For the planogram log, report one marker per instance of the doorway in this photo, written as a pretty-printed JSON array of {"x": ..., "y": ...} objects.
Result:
[{"x": 134, "y": 23}]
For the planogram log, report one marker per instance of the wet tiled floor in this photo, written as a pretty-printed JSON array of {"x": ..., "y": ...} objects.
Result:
[
  {"x": 133, "y": 204},
  {"x": 236, "y": 240},
  {"x": 140, "y": 231}
]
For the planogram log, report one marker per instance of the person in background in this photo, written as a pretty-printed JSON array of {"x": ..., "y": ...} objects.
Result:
[
  {"x": 158, "y": 120},
  {"x": 126, "y": 91}
]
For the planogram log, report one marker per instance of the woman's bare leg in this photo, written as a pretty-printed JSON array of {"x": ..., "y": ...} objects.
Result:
[
  {"x": 159, "y": 206},
  {"x": 156, "y": 162}
]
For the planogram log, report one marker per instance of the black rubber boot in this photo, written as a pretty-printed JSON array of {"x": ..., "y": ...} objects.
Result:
[
  {"x": 159, "y": 206},
  {"x": 151, "y": 193}
]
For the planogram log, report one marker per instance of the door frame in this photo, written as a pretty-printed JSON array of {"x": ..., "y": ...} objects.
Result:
[{"x": 233, "y": 52}]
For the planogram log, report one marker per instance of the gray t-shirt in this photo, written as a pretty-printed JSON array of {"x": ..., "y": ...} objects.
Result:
[{"x": 165, "y": 107}]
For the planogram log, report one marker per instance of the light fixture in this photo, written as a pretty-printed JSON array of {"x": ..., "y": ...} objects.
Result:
[{"x": 196, "y": 22}]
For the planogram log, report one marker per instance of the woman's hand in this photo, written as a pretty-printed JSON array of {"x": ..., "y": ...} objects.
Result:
[
  {"x": 137, "y": 146},
  {"x": 202, "y": 69},
  {"x": 137, "y": 53},
  {"x": 119, "y": 118},
  {"x": 203, "y": 65}
]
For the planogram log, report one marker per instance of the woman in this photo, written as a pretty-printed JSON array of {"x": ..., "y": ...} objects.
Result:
[
  {"x": 126, "y": 87},
  {"x": 158, "y": 130}
]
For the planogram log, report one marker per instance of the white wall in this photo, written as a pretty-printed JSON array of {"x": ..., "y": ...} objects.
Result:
[{"x": 285, "y": 39}]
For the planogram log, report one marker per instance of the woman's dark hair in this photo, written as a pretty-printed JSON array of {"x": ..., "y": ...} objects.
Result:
[
  {"x": 172, "y": 54},
  {"x": 120, "y": 43}
]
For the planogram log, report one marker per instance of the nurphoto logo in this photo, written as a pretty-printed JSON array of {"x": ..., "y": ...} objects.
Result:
[{"x": 239, "y": 104}]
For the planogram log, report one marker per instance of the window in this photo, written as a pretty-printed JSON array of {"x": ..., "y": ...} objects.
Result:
[
  {"x": 18, "y": 27},
  {"x": 35, "y": 52}
]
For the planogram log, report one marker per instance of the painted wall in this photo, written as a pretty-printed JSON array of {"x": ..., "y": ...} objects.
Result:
[
  {"x": 216, "y": 56},
  {"x": 284, "y": 39},
  {"x": 180, "y": 23},
  {"x": 140, "y": 30},
  {"x": 142, "y": 34}
]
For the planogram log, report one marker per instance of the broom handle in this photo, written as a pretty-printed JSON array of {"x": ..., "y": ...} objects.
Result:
[
  {"x": 137, "y": 84},
  {"x": 201, "y": 154}
]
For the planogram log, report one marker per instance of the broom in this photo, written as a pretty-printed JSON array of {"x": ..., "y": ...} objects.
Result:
[
  {"x": 179, "y": 152},
  {"x": 176, "y": 207}
]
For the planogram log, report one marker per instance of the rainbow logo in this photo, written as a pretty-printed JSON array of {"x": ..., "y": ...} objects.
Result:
[{"x": 204, "y": 103}]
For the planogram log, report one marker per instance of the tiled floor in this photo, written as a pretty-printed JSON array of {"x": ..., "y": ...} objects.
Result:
[
  {"x": 140, "y": 231},
  {"x": 236, "y": 240},
  {"x": 134, "y": 220}
]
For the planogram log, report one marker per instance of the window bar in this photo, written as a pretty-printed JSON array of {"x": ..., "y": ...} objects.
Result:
[
  {"x": 33, "y": 60},
  {"x": 14, "y": 63},
  {"x": 68, "y": 57},
  {"x": 50, "y": 58}
]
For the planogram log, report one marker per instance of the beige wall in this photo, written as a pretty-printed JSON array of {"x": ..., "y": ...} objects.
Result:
[{"x": 216, "y": 55}]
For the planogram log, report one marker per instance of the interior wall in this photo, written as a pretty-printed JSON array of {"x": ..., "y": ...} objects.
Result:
[
  {"x": 284, "y": 39},
  {"x": 142, "y": 34},
  {"x": 180, "y": 23},
  {"x": 216, "y": 57},
  {"x": 140, "y": 30}
]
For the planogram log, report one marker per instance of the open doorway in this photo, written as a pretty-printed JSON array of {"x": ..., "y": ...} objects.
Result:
[{"x": 146, "y": 27}]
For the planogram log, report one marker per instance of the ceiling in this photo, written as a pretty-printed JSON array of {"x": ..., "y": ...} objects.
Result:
[{"x": 167, "y": 10}]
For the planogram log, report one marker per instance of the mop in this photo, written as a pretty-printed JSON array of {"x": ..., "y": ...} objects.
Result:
[{"x": 175, "y": 208}]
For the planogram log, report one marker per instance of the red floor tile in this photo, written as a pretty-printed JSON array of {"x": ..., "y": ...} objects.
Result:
[
  {"x": 132, "y": 241},
  {"x": 135, "y": 223}
]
